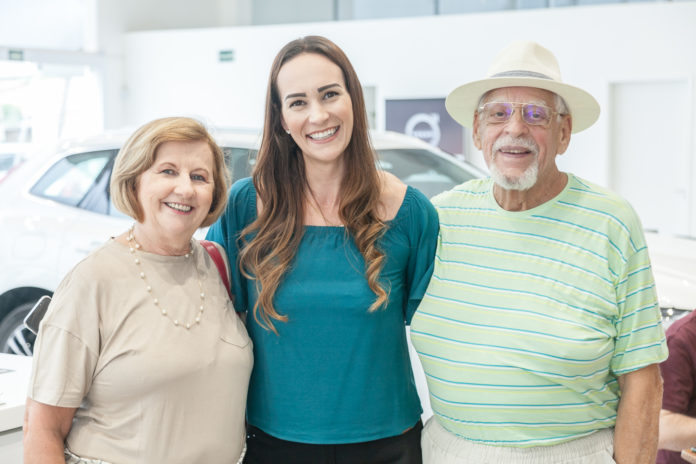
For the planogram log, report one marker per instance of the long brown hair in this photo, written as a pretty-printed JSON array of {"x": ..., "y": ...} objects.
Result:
[{"x": 281, "y": 184}]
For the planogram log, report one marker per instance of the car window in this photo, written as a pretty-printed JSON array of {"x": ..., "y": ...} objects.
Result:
[
  {"x": 240, "y": 161},
  {"x": 423, "y": 170},
  {"x": 78, "y": 180},
  {"x": 419, "y": 168}
]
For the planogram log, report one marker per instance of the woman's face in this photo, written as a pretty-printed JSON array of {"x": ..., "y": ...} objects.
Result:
[
  {"x": 315, "y": 107},
  {"x": 176, "y": 192}
]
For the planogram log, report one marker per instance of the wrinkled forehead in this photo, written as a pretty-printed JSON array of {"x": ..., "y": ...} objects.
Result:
[{"x": 521, "y": 95}]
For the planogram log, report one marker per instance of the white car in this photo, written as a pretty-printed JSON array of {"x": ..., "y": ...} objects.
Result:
[
  {"x": 674, "y": 267},
  {"x": 55, "y": 209},
  {"x": 10, "y": 158}
]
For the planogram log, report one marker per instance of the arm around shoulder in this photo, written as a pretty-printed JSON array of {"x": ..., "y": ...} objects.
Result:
[
  {"x": 226, "y": 231},
  {"x": 424, "y": 228}
]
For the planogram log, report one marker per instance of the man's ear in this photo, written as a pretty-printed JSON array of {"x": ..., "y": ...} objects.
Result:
[
  {"x": 475, "y": 135},
  {"x": 565, "y": 129}
]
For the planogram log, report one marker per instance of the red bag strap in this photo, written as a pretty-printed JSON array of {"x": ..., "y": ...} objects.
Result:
[{"x": 214, "y": 253}]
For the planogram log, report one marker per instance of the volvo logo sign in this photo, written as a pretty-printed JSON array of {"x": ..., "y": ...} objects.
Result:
[
  {"x": 425, "y": 126},
  {"x": 426, "y": 119}
]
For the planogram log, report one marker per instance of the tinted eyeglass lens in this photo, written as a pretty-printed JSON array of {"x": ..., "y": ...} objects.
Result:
[
  {"x": 497, "y": 112},
  {"x": 535, "y": 114},
  {"x": 500, "y": 112}
]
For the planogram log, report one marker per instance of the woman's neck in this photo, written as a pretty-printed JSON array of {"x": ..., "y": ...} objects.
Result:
[
  {"x": 161, "y": 245},
  {"x": 322, "y": 199}
]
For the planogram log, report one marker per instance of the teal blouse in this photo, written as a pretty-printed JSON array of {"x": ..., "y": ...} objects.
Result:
[{"x": 335, "y": 373}]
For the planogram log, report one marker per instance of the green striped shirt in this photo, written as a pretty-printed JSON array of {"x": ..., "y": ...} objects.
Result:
[{"x": 530, "y": 316}]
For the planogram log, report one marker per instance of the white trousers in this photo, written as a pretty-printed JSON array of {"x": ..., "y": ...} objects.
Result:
[{"x": 443, "y": 447}]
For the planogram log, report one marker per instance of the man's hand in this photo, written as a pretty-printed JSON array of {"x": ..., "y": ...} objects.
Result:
[{"x": 677, "y": 431}]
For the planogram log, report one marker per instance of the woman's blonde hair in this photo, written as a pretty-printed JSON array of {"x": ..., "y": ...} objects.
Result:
[
  {"x": 138, "y": 154},
  {"x": 281, "y": 183}
]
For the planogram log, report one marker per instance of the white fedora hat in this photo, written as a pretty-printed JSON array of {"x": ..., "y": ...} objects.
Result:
[{"x": 523, "y": 64}]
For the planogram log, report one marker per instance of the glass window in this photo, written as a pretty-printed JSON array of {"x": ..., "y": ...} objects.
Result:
[
  {"x": 240, "y": 161},
  {"x": 525, "y": 4},
  {"x": 474, "y": 6},
  {"x": 78, "y": 180},
  {"x": 422, "y": 169},
  {"x": 369, "y": 9},
  {"x": 291, "y": 11},
  {"x": 428, "y": 172}
]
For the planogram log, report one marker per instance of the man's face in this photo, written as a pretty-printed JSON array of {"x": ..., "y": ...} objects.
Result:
[{"x": 519, "y": 155}]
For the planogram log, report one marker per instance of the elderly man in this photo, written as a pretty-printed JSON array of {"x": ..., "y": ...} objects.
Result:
[{"x": 540, "y": 333}]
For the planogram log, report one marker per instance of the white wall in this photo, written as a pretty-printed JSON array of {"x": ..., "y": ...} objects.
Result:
[
  {"x": 115, "y": 18},
  {"x": 177, "y": 72},
  {"x": 47, "y": 24}
]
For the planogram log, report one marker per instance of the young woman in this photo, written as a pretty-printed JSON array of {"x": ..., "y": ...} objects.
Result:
[
  {"x": 141, "y": 357},
  {"x": 330, "y": 258}
]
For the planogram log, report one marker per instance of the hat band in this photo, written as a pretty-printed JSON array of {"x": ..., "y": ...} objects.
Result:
[{"x": 522, "y": 73}]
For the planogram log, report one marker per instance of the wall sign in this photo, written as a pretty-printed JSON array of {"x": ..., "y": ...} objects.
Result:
[{"x": 426, "y": 119}]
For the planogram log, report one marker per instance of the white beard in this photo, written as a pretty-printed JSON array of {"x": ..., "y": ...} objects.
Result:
[
  {"x": 523, "y": 182},
  {"x": 528, "y": 178}
]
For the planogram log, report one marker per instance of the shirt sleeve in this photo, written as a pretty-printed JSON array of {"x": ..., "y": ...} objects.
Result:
[
  {"x": 640, "y": 337},
  {"x": 679, "y": 372},
  {"x": 226, "y": 231},
  {"x": 67, "y": 347},
  {"x": 424, "y": 228}
]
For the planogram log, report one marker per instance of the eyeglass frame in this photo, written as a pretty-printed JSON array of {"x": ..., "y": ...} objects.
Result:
[{"x": 515, "y": 105}]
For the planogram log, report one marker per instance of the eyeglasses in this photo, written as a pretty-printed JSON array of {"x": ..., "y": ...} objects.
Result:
[{"x": 501, "y": 112}]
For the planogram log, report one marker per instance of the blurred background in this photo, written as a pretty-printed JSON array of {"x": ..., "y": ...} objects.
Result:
[
  {"x": 77, "y": 76},
  {"x": 71, "y": 68}
]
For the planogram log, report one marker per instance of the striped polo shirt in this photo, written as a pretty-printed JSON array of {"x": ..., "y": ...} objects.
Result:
[{"x": 530, "y": 316}]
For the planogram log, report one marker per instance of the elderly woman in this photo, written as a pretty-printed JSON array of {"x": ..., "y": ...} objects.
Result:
[
  {"x": 141, "y": 357},
  {"x": 333, "y": 257}
]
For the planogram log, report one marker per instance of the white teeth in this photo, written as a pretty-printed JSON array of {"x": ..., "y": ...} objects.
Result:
[
  {"x": 179, "y": 207},
  {"x": 323, "y": 134}
]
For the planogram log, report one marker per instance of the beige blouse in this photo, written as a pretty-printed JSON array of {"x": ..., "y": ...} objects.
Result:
[{"x": 147, "y": 391}]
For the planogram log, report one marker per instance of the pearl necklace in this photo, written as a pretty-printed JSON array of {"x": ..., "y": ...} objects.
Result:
[{"x": 135, "y": 246}]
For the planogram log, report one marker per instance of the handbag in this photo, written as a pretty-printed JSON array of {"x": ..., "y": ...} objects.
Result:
[{"x": 214, "y": 253}]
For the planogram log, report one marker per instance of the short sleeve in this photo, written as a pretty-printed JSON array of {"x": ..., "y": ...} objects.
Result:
[
  {"x": 640, "y": 337},
  {"x": 67, "y": 347},
  {"x": 226, "y": 231},
  {"x": 423, "y": 230},
  {"x": 62, "y": 368},
  {"x": 679, "y": 372}
]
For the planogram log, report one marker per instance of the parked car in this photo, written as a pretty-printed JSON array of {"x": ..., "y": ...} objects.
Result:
[
  {"x": 674, "y": 266},
  {"x": 55, "y": 209},
  {"x": 10, "y": 159}
]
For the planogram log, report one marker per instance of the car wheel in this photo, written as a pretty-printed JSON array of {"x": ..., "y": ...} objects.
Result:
[{"x": 15, "y": 338}]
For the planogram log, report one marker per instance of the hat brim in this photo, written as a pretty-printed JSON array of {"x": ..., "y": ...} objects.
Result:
[{"x": 462, "y": 102}]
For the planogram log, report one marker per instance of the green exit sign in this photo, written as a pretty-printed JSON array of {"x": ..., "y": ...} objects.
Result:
[
  {"x": 15, "y": 55},
  {"x": 226, "y": 55}
]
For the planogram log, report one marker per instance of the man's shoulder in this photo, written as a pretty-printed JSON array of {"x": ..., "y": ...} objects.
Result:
[
  {"x": 594, "y": 197},
  {"x": 469, "y": 191},
  {"x": 588, "y": 190}
]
